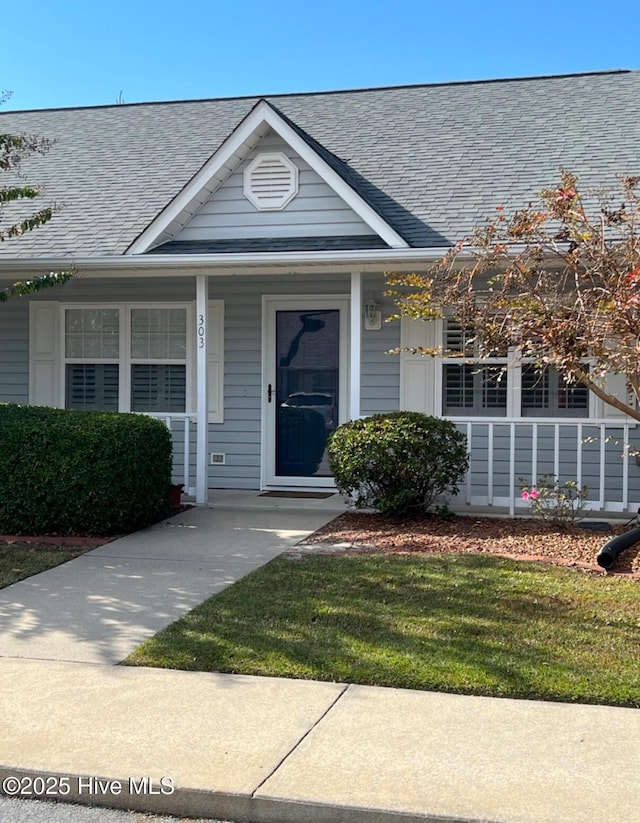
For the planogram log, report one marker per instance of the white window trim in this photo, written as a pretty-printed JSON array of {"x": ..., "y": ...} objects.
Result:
[
  {"x": 513, "y": 377},
  {"x": 421, "y": 381},
  {"x": 124, "y": 360}
]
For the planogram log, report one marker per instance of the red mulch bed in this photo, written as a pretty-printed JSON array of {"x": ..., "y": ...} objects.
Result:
[
  {"x": 519, "y": 538},
  {"x": 72, "y": 541},
  {"x": 54, "y": 540}
]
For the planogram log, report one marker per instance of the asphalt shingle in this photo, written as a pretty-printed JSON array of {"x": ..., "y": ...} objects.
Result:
[{"x": 433, "y": 160}]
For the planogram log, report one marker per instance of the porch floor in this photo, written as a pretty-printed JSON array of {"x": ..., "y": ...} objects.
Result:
[{"x": 255, "y": 499}]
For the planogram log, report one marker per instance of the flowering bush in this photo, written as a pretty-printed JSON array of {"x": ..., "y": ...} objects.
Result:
[{"x": 560, "y": 504}]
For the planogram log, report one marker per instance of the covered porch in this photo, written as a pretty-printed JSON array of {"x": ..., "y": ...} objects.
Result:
[{"x": 195, "y": 441}]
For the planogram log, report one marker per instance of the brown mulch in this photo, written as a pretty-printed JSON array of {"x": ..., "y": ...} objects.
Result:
[
  {"x": 520, "y": 538},
  {"x": 74, "y": 541},
  {"x": 53, "y": 540}
]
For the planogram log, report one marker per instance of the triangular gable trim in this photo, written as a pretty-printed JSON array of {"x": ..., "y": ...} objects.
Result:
[{"x": 230, "y": 155}]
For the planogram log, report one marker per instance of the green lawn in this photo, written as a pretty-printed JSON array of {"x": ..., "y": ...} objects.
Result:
[
  {"x": 20, "y": 560},
  {"x": 455, "y": 623}
]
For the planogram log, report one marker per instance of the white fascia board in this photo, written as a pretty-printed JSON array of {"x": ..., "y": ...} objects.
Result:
[
  {"x": 231, "y": 153},
  {"x": 333, "y": 179},
  {"x": 265, "y": 260},
  {"x": 217, "y": 167}
]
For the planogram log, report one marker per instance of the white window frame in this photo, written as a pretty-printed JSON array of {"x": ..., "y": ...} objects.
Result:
[
  {"x": 513, "y": 377},
  {"x": 421, "y": 381},
  {"x": 125, "y": 361}
]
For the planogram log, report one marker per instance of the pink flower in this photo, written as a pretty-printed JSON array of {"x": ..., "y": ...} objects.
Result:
[
  {"x": 535, "y": 494},
  {"x": 525, "y": 495}
]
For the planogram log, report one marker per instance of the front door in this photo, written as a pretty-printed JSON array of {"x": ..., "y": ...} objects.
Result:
[{"x": 305, "y": 389}]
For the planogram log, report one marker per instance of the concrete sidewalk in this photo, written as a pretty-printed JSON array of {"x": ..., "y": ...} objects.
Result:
[
  {"x": 267, "y": 749},
  {"x": 99, "y": 607}
]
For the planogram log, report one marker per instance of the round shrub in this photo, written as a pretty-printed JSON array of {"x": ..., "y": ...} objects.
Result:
[
  {"x": 399, "y": 462},
  {"x": 81, "y": 472}
]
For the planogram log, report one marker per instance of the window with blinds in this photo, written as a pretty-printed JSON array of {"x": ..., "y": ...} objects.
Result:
[
  {"x": 471, "y": 388},
  {"x": 545, "y": 393},
  {"x": 92, "y": 386},
  {"x": 476, "y": 390},
  {"x": 152, "y": 357},
  {"x": 159, "y": 357},
  {"x": 458, "y": 340},
  {"x": 158, "y": 388}
]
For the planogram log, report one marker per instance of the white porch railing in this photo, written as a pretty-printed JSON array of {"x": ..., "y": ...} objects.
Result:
[
  {"x": 504, "y": 451},
  {"x": 184, "y": 433},
  {"x": 593, "y": 452}
]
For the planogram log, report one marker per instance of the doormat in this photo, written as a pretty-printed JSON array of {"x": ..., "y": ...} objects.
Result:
[{"x": 316, "y": 495}]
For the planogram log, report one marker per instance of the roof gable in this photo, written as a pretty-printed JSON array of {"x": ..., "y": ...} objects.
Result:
[
  {"x": 314, "y": 211},
  {"x": 236, "y": 149}
]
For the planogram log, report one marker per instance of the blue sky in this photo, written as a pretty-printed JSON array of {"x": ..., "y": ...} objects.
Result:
[{"x": 69, "y": 53}]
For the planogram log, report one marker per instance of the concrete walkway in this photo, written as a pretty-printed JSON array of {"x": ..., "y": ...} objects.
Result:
[
  {"x": 270, "y": 750},
  {"x": 102, "y": 605}
]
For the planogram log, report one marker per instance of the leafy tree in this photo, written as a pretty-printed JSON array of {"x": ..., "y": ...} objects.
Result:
[
  {"x": 14, "y": 148},
  {"x": 557, "y": 281}
]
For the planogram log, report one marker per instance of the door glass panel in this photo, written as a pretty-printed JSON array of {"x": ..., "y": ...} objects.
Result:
[{"x": 306, "y": 390}]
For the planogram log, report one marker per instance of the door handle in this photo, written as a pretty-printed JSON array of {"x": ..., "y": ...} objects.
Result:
[{"x": 269, "y": 393}]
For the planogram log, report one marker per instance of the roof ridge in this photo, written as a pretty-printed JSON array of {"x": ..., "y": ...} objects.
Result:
[{"x": 360, "y": 90}]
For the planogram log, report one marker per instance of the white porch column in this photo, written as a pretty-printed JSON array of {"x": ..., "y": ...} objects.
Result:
[
  {"x": 202, "y": 438},
  {"x": 356, "y": 345}
]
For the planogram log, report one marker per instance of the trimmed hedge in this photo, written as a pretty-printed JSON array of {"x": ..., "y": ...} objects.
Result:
[
  {"x": 399, "y": 462},
  {"x": 81, "y": 472}
]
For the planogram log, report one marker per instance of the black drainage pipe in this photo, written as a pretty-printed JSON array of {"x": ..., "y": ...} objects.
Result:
[{"x": 610, "y": 552}]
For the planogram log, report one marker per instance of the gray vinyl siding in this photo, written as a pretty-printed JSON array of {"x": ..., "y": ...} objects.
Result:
[
  {"x": 380, "y": 387},
  {"x": 14, "y": 351},
  {"x": 316, "y": 211},
  {"x": 238, "y": 437}
]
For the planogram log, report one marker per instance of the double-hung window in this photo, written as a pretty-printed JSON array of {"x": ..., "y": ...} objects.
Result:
[
  {"x": 126, "y": 358},
  {"x": 158, "y": 360},
  {"x": 503, "y": 385},
  {"x": 545, "y": 393},
  {"x": 471, "y": 387}
]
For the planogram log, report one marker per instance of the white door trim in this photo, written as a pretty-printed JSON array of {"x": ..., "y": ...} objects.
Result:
[{"x": 270, "y": 305}]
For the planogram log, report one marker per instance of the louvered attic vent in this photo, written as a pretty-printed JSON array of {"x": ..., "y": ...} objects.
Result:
[{"x": 270, "y": 181}]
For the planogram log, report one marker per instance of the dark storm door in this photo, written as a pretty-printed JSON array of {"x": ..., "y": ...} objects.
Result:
[{"x": 305, "y": 388}]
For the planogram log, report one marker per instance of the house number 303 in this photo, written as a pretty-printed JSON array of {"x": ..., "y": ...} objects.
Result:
[{"x": 200, "y": 331}]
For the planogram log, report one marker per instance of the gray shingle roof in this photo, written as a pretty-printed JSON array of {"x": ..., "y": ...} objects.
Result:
[
  {"x": 257, "y": 244},
  {"x": 433, "y": 160}
]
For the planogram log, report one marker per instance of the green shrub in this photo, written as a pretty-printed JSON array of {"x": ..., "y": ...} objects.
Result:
[
  {"x": 399, "y": 462},
  {"x": 81, "y": 472}
]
